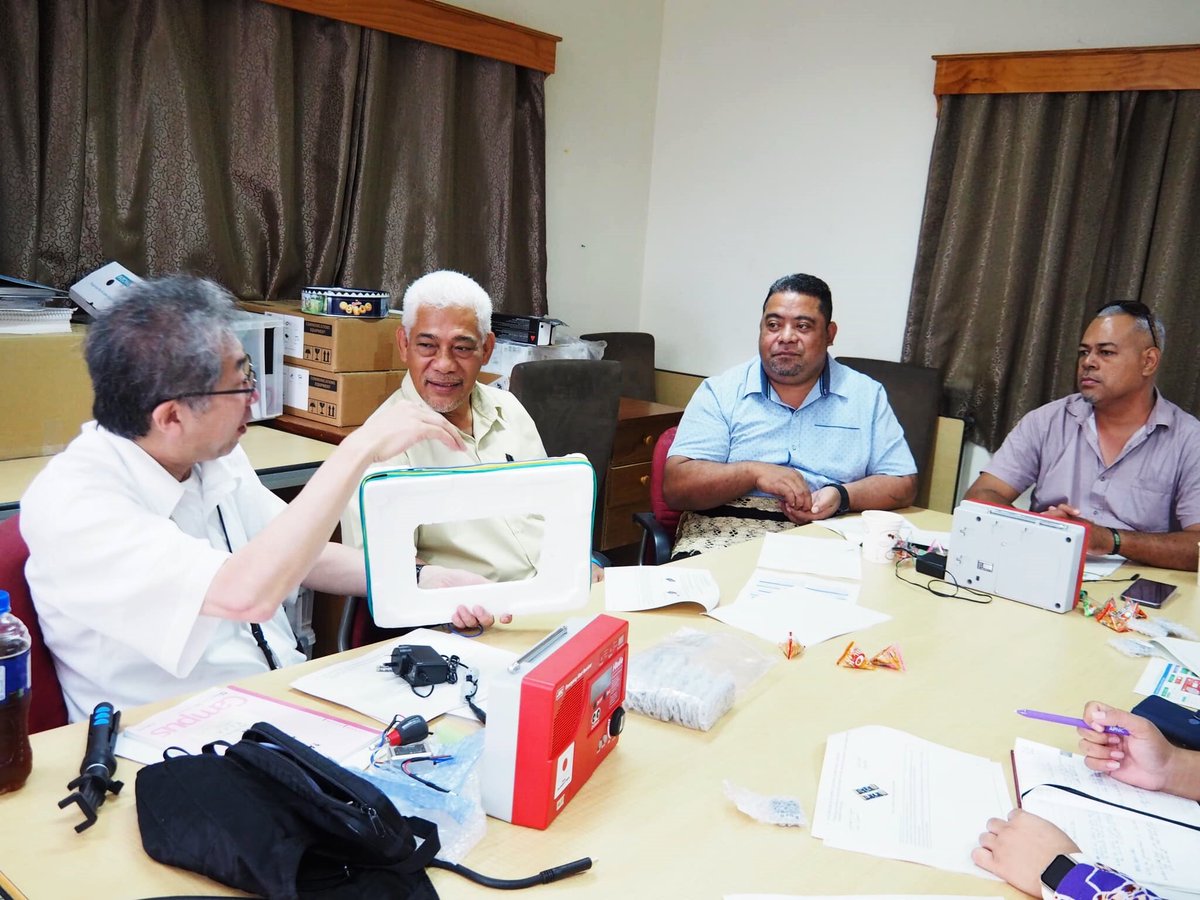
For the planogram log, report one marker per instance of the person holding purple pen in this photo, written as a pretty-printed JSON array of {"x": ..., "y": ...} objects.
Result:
[{"x": 1038, "y": 858}]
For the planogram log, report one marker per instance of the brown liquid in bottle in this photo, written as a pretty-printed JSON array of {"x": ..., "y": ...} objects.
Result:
[{"x": 16, "y": 759}]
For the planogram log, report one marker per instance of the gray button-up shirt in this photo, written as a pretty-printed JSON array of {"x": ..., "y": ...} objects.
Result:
[{"x": 1153, "y": 485}]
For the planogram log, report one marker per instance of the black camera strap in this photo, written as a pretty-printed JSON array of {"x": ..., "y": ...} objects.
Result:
[{"x": 255, "y": 628}]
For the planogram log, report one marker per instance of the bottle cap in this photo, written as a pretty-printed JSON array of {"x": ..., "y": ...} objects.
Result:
[{"x": 5, "y": 603}]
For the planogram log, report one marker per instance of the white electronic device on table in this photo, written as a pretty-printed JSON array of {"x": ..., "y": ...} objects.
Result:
[{"x": 1024, "y": 556}]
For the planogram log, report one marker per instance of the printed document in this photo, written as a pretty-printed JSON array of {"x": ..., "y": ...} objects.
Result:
[
  {"x": 810, "y": 611},
  {"x": 1171, "y": 681},
  {"x": 360, "y": 685},
  {"x": 894, "y": 795},
  {"x": 1158, "y": 854}
]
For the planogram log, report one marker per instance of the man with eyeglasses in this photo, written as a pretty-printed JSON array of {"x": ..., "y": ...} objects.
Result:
[
  {"x": 159, "y": 563},
  {"x": 1117, "y": 455},
  {"x": 446, "y": 338}
]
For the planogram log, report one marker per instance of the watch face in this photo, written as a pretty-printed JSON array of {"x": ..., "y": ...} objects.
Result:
[{"x": 1057, "y": 870}]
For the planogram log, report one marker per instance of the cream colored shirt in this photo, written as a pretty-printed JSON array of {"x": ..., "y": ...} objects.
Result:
[{"x": 499, "y": 549}]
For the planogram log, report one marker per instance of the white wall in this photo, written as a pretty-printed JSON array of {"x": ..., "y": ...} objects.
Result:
[
  {"x": 794, "y": 135},
  {"x": 599, "y": 131}
]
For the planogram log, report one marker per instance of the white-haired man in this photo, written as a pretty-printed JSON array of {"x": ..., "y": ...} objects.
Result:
[{"x": 445, "y": 338}]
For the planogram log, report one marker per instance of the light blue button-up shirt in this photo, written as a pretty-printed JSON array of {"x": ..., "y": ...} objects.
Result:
[{"x": 844, "y": 430}]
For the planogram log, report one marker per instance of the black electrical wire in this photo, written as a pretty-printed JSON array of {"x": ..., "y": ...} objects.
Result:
[
  {"x": 949, "y": 582},
  {"x": 513, "y": 884}
]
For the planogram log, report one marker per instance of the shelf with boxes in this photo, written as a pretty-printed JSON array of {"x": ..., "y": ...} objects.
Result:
[{"x": 335, "y": 370}]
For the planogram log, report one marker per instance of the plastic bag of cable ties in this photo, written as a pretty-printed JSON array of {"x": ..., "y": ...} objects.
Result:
[{"x": 693, "y": 677}]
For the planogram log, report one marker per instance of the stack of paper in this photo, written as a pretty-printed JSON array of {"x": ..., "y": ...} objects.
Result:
[
  {"x": 1159, "y": 855},
  {"x": 890, "y": 794}
]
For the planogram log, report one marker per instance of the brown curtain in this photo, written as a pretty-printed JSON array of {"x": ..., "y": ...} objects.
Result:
[
  {"x": 1040, "y": 208},
  {"x": 264, "y": 148}
]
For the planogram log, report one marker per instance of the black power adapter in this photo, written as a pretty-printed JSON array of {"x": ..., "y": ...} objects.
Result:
[
  {"x": 420, "y": 665},
  {"x": 932, "y": 564}
]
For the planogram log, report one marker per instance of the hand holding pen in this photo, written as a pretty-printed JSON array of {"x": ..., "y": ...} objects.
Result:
[{"x": 1141, "y": 757}]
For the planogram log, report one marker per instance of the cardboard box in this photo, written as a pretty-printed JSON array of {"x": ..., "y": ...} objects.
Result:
[
  {"x": 333, "y": 343},
  {"x": 336, "y": 398},
  {"x": 46, "y": 393}
]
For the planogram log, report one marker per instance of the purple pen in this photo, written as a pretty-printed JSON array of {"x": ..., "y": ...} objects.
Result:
[{"x": 1068, "y": 720}]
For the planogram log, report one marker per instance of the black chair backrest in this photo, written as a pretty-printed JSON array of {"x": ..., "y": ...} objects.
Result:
[
  {"x": 915, "y": 393},
  {"x": 634, "y": 350},
  {"x": 574, "y": 403}
]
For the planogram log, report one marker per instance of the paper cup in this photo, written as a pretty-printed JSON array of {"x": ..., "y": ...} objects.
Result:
[{"x": 884, "y": 529}]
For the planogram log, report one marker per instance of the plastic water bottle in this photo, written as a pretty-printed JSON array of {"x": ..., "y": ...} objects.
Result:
[{"x": 16, "y": 759}]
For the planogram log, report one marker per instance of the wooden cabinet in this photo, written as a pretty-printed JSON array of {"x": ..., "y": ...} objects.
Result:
[{"x": 627, "y": 484}]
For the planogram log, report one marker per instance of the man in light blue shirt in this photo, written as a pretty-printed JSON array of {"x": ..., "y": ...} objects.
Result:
[{"x": 789, "y": 437}]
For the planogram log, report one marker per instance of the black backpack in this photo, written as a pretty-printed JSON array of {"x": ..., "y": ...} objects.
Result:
[{"x": 273, "y": 817}]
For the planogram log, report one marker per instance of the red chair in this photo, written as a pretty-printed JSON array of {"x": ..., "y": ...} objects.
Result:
[
  {"x": 47, "y": 707},
  {"x": 660, "y": 524}
]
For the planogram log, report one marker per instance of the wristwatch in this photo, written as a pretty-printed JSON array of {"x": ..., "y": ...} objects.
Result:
[
  {"x": 1053, "y": 874},
  {"x": 844, "y": 504}
]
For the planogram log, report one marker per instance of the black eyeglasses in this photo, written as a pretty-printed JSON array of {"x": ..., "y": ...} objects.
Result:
[
  {"x": 1139, "y": 311},
  {"x": 249, "y": 378}
]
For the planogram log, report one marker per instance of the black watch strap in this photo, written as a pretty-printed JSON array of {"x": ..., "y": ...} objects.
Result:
[
  {"x": 1054, "y": 873},
  {"x": 420, "y": 566},
  {"x": 844, "y": 503}
]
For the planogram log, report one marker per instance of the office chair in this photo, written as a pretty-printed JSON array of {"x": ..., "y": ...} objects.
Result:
[
  {"x": 915, "y": 393},
  {"x": 47, "y": 708},
  {"x": 661, "y": 523},
  {"x": 356, "y": 628},
  {"x": 634, "y": 350},
  {"x": 574, "y": 403}
]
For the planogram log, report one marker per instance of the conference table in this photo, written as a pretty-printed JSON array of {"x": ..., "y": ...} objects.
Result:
[{"x": 654, "y": 816}]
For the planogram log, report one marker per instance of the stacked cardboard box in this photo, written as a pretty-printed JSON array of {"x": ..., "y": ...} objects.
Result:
[
  {"x": 336, "y": 370},
  {"x": 46, "y": 392}
]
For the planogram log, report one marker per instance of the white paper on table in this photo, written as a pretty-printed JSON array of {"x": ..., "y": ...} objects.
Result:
[
  {"x": 1178, "y": 650},
  {"x": 1171, "y": 681},
  {"x": 935, "y": 802},
  {"x": 854, "y": 529},
  {"x": 637, "y": 588},
  {"x": 858, "y": 897},
  {"x": 763, "y": 581},
  {"x": 223, "y": 713},
  {"x": 381, "y": 695},
  {"x": 816, "y": 556},
  {"x": 1097, "y": 567},
  {"x": 809, "y": 613}
]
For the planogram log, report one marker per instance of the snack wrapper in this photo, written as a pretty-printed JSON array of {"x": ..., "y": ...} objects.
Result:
[
  {"x": 1118, "y": 617},
  {"x": 889, "y": 658},
  {"x": 792, "y": 649},
  {"x": 853, "y": 658}
]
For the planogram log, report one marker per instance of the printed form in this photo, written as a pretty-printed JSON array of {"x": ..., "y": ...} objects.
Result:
[{"x": 890, "y": 794}]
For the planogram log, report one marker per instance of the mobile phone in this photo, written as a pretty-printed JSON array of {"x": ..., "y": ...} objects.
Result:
[
  {"x": 1179, "y": 725},
  {"x": 1147, "y": 592}
]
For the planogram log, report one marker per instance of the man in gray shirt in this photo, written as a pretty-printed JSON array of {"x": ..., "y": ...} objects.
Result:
[{"x": 1117, "y": 456}]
